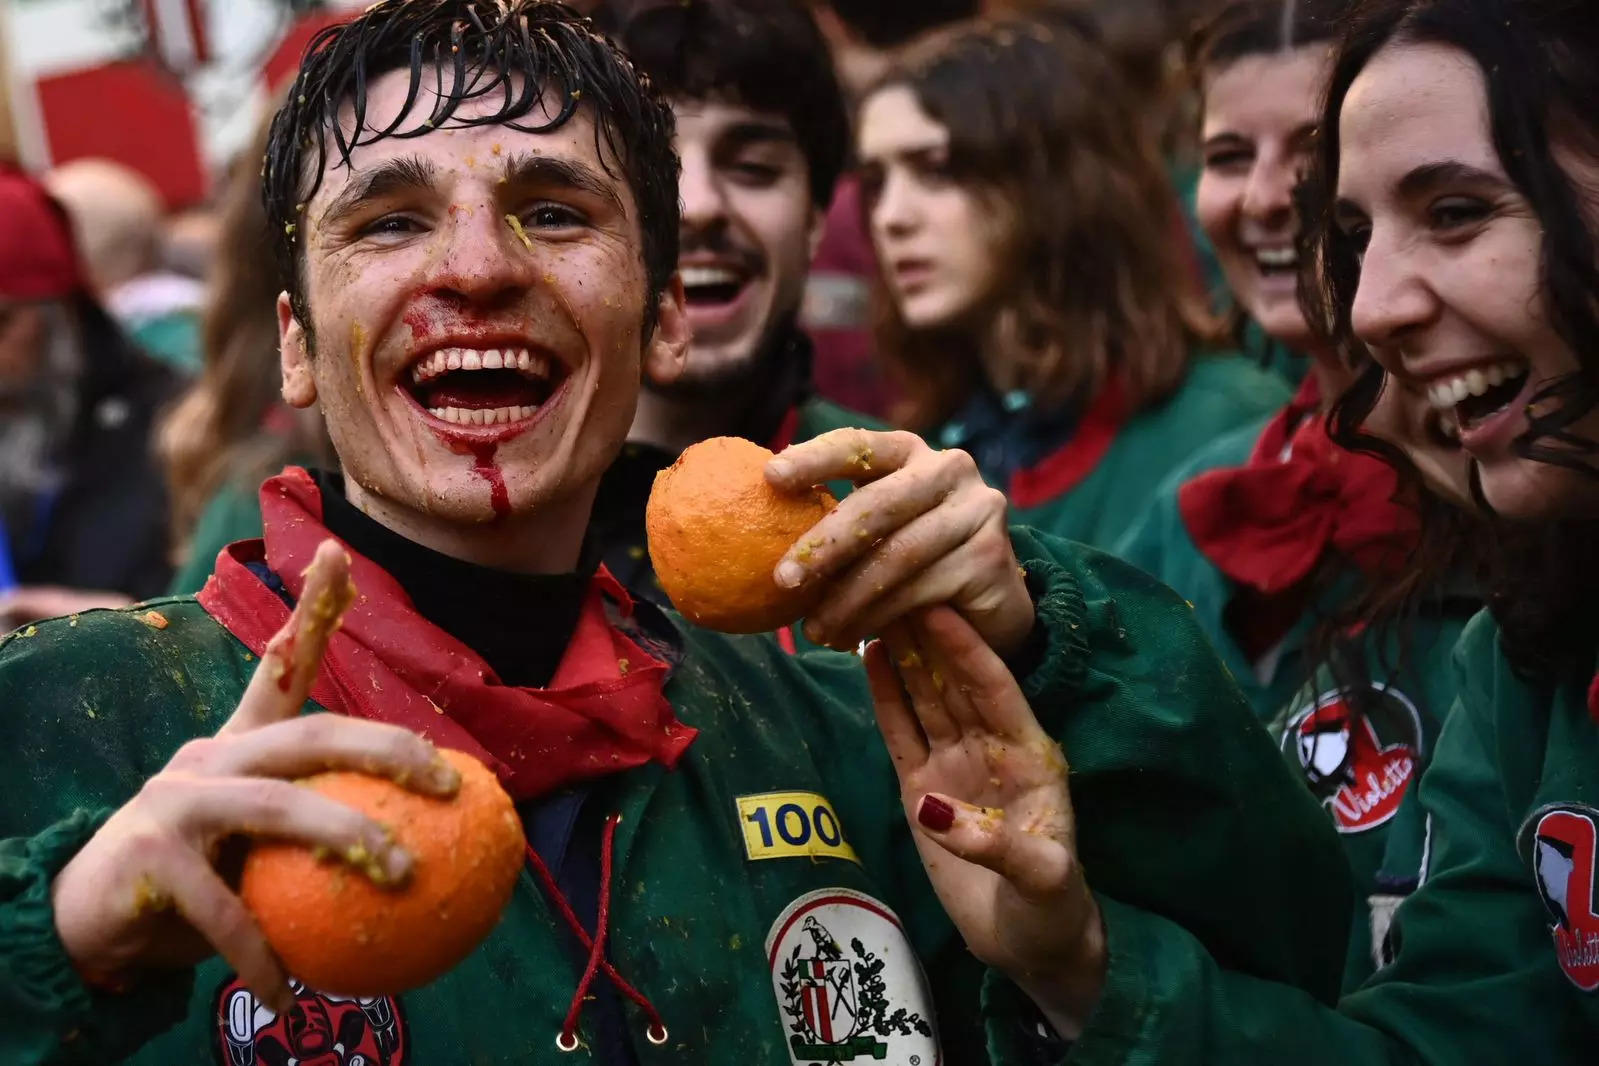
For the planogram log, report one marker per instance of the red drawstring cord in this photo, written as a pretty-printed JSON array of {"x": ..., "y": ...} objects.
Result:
[{"x": 567, "y": 1040}]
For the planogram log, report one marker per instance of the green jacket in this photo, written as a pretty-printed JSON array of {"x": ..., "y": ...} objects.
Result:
[
  {"x": 1403, "y": 684},
  {"x": 1158, "y": 543},
  {"x": 1495, "y": 953},
  {"x": 1220, "y": 393},
  {"x": 1360, "y": 739},
  {"x": 785, "y": 808}
]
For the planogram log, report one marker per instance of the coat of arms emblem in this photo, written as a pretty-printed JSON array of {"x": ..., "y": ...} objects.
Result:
[{"x": 858, "y": 994}]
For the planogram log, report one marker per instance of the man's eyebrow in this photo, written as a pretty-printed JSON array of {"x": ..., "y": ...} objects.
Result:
[
  {"x": 527, "y": 168},
  {"x": 1431, "y": 176},
  {"x": 391, "y": 176},
  {"x": 757, "y": 131}
]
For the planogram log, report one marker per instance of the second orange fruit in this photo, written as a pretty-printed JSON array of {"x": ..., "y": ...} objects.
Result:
[{"x": 717, "y": 529}]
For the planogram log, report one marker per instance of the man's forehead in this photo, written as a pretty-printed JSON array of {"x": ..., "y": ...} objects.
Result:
[
  {"x": 458, "y": 147},
  {"x": 723, "y": 113}
]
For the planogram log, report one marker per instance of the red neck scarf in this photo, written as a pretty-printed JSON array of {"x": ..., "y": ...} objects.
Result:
[
  {"x": 1268, "y": 523},
  {"x": 1063, "y": 469},
  {"x": 604, "y": 710}
]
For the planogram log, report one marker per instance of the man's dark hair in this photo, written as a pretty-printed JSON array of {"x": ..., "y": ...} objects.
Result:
[
  {"x": 766, "y": 55},
  {"x": 891, "y": 23},
  {"x": 460, "y": 52}
]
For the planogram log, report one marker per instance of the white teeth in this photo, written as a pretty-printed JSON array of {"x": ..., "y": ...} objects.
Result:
[
  {"x": 1474, "y": 382},
  {"x": 447, "y": 359},
  {"x": 702, "y": 275},
  {"x": 482, "y": 416},
  {"x": 1275, "y": 257}
]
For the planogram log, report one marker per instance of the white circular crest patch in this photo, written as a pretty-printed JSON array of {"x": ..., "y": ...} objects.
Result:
[{"x": 849, "y": 987}]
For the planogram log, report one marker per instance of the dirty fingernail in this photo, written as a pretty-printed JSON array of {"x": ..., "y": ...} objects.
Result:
[
  {"x": 935, "y": 814},
  {"x": 790, "y": 574},
  {"x": 397, "y": 864},
  {"x": 446, "y": 778}
]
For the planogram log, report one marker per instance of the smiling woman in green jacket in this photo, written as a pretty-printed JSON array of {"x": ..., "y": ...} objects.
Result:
[{"x": 1459, "y": 152}]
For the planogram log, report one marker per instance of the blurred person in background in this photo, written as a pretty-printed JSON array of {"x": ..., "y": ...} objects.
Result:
[
  {"x": 1032, "y": 299},
  {"x": 1145, "y": 39},
  {"x": 762, "y": 133},
  {"x": 118, "y": 221},
  {"x": 82, "y": 509},
  {"x": 837, "y": 309},
  {"x": 1296, "y": 553},
  {"x": 189, "y": 241},
  {"x": 231, "y": 430}
]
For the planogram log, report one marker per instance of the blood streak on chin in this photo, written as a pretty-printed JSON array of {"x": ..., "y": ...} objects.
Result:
[
  {"x": 482, "y": 453},
  {"x": 499, "y": 499}
]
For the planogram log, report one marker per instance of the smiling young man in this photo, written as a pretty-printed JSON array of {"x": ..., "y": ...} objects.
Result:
[
  {"x": 720, "y": 868},
  {"x": 761, "y": 134}
]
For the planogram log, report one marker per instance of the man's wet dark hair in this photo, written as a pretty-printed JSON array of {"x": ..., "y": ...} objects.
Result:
[
  {"x": 519, "y": 53},
  {"x": 766, "y": 55}
]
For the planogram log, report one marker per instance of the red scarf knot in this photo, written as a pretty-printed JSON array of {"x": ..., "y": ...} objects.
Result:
[
  {"x": 1269, "y": 523},
  {"x": 604, "y": 710}
]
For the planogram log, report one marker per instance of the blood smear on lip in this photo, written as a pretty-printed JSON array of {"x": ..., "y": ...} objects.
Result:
[{"x": 419, "y": 323}]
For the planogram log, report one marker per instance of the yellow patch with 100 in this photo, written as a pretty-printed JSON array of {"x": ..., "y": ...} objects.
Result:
[{"x": 792, "y": 825}]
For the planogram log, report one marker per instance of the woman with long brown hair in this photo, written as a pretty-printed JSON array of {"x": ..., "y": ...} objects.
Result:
[{"x": 1037, "y": 300}]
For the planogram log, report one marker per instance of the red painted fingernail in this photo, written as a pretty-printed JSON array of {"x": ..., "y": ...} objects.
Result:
[{"x": 935, "y": 814}]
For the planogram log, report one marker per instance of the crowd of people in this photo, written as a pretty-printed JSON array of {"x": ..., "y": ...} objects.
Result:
[{"x": 1203, "y": 665}]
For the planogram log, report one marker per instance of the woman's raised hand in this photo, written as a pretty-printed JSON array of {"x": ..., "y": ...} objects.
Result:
[{"x": 985, "y": 790}]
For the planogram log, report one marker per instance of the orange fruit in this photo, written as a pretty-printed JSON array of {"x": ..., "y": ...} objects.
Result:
[
  {"x": 339, "y": 932},
  {"x": 717, "y": 530}
]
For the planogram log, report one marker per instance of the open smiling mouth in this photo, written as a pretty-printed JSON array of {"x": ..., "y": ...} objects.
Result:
[
  {"x": 1277, "y": 262},
  {"x": 712, "y": 287},
  {"x": 484, "y": 387},
  {"x": 1480, "y": 394}
]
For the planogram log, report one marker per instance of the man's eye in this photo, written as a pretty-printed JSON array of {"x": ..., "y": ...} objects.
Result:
[
  {"x": 756, "y": 173},
  {"x": 554, "y": 216},
  {"x": 390, "y": 225}
]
